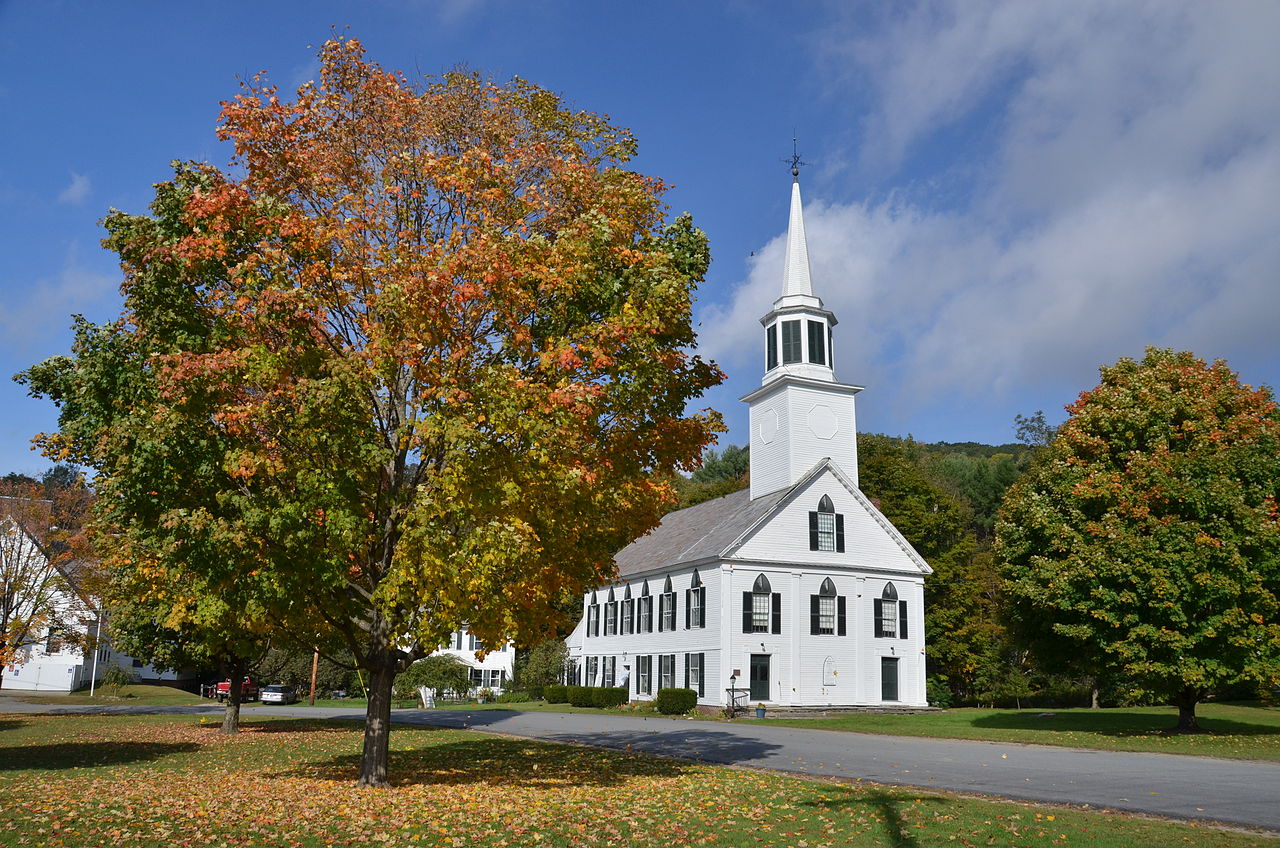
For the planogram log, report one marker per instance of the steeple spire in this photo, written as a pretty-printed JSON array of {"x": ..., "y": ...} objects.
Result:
[{"x": 796, "y": 273}]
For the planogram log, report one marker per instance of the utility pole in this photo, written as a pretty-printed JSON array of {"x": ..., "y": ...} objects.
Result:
[
  {"x": 315, "y": 664},
  {"x": 97, "y": 650}
]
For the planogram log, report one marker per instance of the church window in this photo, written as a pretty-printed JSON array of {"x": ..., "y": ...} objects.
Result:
[
  {"x": 790, "y": 342},
  {"x": 826, "y": 528},
  {"x": 761, "y": 608},
  {"x": 771, "y": 347},
  {"x": 666, "y": 671},
  {"x": 890, "y": 614},
  {"x": 695, "y": 604},
  {"x": 816, "y": 338},
  {"x": 628, "y": 613},
  {"x": 644, "y": 613},
  {"x": 611, "y": 616},
  {"x": 827, "y": 611},
  {"x": 667, "y": 607}
]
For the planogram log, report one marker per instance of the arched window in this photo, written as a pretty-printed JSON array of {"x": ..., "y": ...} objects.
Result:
[
  {"x": 611, "y": 615},
  {"x": 890, "y": 614},
  {"x": 593, "y": 615},
  {"x": 761, "y": 608},
  {"x": 826, "y": 611},
  {"x": 826, "y": 527},
  {"x": 644, "y": 610},
  {"x": 667, "y": 606},
  {"x": 695, "y": 603},
  {"x": 628, "y": 612}
]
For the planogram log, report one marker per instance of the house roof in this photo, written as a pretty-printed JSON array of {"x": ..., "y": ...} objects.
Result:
[{"x": 699, "y": 532}]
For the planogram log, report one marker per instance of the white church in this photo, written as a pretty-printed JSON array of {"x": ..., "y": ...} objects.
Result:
[{"x": 796, "y": 592}]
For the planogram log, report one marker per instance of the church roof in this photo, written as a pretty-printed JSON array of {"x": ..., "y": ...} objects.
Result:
[{"x": 699, "y": 532}]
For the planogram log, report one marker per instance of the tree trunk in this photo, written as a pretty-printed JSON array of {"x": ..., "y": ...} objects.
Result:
[
  {"x": 1186, "y": 703},
  {"x": 231, "y": 717},
  {"x": 1093, "y": 699},
  {"x": 377, "y": 722}
]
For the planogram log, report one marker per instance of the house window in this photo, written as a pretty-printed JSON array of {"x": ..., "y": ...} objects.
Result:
[
  {"x": 817, "y": 336},
  {"x": 593, "y": 616},
  {"x": 826, "y": 528},
  {"x": 457, "y": 640},
  {"x": 666, "y": 671},
  {"x": 790, "y": 342},
  {"x": 645, "y": 611},
  {"x": 890, "y": 614},
  {"x": 693, "y": 674},
  {"x": 628, "y": 612},
  {"x": 761, "y": 608},
  {"x": 772, "y": 347},
  {"x": 610, "y": 668},
  {"x": 826, "y": 611},
  {"x": 667, "y": 607},
  {"x": 695, "y": 603},
  {"x": 610, "y": 616},
  {"x": 644, "y": 675},
  {"x": 137, "y": 663},
  {"x": 593, "y": 669}
]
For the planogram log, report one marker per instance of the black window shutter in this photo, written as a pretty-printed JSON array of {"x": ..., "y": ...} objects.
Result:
[
  {"x": 840, "y": 627},
  {"x": 702, "y": 606},
  {"x": 840, "y": 532},
  {"x": 686, "y": 671},
  {"x": 746, "y": 612},
  {"x": 702, "y": 674},
  {"x": 878, "y": 605},
  {"x": 813, "y": 531},
  {"x": 813, "y": 615},
  {"x": 902, "y": 619},
  {"x": 688, "y": 594},
  {"x": 777, "y": 612},
  {"x": 772, "y": 361}
]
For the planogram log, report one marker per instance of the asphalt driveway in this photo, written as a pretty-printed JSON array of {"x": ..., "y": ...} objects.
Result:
[{"x": 1232, "y": 791}]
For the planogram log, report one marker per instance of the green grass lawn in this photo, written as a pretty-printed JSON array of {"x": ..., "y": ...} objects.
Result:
[
  {"x": 135, "y": 695},
  {"x": 158, "y": 781},
  {"x": 1245, "y": 732}
]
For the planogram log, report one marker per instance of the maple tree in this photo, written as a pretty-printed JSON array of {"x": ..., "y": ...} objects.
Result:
[
  {"x": 440, "y": 351},
  {"x": 1144, "y": 541}
]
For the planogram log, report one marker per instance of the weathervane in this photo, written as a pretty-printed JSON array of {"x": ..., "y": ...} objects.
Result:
[{"x": 795, "y": 159}]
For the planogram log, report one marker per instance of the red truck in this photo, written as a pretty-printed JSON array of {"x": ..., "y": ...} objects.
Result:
[{"x": 248, "y": 690}]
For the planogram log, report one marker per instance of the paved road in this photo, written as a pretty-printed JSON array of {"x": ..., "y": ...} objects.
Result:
[{"x": 1232, "y": 791}]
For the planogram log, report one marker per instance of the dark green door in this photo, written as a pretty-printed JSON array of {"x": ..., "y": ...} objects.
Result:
[
  {"x": 888, "y": 678},
  {"x": 759, "y": 677}
]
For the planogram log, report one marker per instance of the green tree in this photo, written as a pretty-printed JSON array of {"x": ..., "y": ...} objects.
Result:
[
  {"x": 442, "y": 672},
  {"x": 1145, "y": 540},
  {"x": 543, "y": 664},
  {"x": 731, "y": 464},
  {"x": 442, "y": 352}
]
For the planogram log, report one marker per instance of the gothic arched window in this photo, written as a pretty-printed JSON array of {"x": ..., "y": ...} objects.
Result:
[
  {"x": 827, "y": 611},
  {"x": 890, "y": 614},
  {"x": 761, "y": 608},
  {"x": 826, "y": 527}
]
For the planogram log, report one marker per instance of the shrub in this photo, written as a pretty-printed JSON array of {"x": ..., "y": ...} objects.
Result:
[
  {"x": 534, "y": 692},
  {"x": 676, "y": 701},
  {"x": 937, "y": 692},
  {"x": 610, "y": 696},
  {"x": 556, "y": 694},
  {"x": 513, "y": 698},
  {"x": 581, "y": 696}
]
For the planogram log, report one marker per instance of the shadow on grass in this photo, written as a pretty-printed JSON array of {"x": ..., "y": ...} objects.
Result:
[
  {"x": 87, "y": 754},
  {"x": 1120, "y": 725},
  {"x": 293, "y": 725},
  {"x": 885, "y": 804},
  {"x": 11, "y": 724},
  {"x": 497, "y": 762}
]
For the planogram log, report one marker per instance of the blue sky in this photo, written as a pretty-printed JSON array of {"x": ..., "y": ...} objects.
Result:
[{"x": 1002, "y": 196}]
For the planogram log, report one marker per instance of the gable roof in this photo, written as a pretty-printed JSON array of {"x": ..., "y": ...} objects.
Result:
[
  {"x": 699, "y": 532},
  {"x": 717, "y": 528}
]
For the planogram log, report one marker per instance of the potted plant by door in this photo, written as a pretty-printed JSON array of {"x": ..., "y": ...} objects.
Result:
[{"x": 759, "y": 710}]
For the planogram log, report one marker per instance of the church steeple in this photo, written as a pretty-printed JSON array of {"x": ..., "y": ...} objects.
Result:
[{"x": 800, "y": 414}]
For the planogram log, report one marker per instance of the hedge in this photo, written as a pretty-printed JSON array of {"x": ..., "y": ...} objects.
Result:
[
  {"x": 609, "y": 696},
  {"x": 675, "y": 701},
  {"x": 581, "y": 696},
  {"x": 556, "y": 694}
]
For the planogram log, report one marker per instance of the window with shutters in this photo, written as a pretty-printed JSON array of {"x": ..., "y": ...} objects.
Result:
[
  {"x": 790, "y": 342},
  {"x": 761, "y": 608},
  {"x": 610, "y": 616},
  {"x": 817, "y": 336},
  {"x": 644, "y": 675},
  {"x": 593, "y": 616},
  {"x": 667, "y": 607},
  {"x": 666, "y": 671},
  {"x": 695, "y": 604},
  {"x": 644, "y": 611},
  {"x": 593, "y": 669},
  {"x": 826, "y": 527},
  {"x": 771, "y": 346},
  {"x": 890, "y": 614},
  {"x": 693, "y": 673},
  {"x": 827, "y": 611},
  {"x": 628, "y": 612},
  {"x": 609, "y": 668}
]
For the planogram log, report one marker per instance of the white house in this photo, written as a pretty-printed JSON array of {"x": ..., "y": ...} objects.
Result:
[
  {"x": 494, "y": 672},
  {"x": 798, "y": 590}
]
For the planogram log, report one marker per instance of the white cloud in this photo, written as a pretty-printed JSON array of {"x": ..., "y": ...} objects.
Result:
[
  {"x": 44, "y": 311},
  {"x": 1127, "y": 198},
  {"x": 77, "y": 191}
]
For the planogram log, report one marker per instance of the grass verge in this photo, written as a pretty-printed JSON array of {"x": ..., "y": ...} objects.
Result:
[
  {"x": 135, "y": 695},
  {"x": 153, "y": 781},
  {"x": 1243, "y": 732}
]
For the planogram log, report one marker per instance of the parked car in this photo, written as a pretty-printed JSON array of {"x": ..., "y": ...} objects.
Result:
[{"x": 279, "y": 695}]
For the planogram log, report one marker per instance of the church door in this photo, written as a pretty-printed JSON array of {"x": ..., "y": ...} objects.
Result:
[
  {"x": 888, "y": 678},
  {"x": 759, "y": 677}
]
